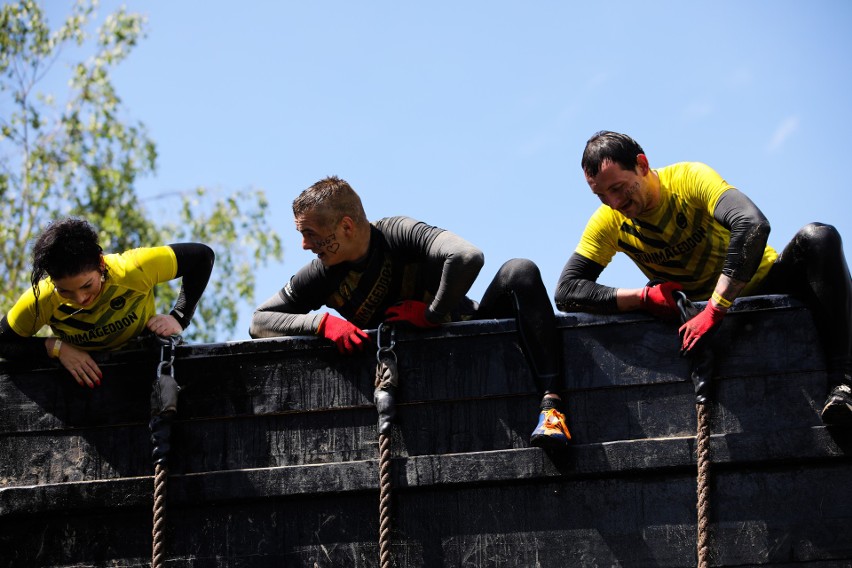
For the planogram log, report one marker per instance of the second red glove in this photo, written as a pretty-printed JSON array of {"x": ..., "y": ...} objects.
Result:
[
  {"x": 409, "y": 311},
  {"x": 348, "y": 338},
  {"x": 658, "y": 299}
]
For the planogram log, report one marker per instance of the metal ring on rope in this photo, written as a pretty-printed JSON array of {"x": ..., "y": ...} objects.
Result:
[{"x": 386, "y": 350}]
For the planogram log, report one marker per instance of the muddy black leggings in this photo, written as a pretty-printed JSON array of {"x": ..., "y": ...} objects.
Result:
[
  {"x": 517, "y": 291},
  {"x": 813, "y": 269}
]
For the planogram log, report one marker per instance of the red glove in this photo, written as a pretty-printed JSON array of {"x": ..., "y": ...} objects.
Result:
[
  {"x": 348, "y": 338},
  {"x": 410, "y": 311},
  {"x": 698, "y": 327},
  {"x": 657, "y": 300}
]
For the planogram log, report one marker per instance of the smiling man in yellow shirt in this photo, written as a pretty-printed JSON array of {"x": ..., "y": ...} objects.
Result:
[{"x": 688, "y": 229}]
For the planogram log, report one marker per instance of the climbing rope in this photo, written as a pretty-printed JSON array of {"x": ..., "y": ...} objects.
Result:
[
  {"x": 384, "y": 501},
  {"x": 387, "y": 378},
  {"x": 164, "y": 391},
  {"x": 701, "y": 371},
  {"x": 703, "y": 453},
  {"x": 158, "y": 556}
]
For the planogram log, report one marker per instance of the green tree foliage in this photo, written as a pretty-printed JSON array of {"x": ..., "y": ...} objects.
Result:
[
  {"x": 82, "y": 157},
  {"x": 237, "y": 228}
]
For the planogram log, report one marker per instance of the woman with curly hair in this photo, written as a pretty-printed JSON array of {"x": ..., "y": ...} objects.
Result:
[{"x": 94, "y": 301}]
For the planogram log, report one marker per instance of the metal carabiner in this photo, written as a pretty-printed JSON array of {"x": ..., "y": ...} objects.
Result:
[
  {"x": 385, "y": 349},
  {"x": 165, "y": 365},
  {"x": 170, "y": 355}
]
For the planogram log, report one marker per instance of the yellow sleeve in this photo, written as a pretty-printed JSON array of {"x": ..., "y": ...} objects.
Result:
[
  {"x": 150, "y": 266},
  {"x": 600, "y": 237},
  {"x": 22, "y": 316}
]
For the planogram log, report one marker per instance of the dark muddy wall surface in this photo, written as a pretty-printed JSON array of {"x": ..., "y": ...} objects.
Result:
[{"x": 275, "y": 447}]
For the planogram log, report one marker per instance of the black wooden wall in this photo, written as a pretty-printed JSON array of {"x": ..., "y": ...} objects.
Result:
[{"x": 274, "y": 459}]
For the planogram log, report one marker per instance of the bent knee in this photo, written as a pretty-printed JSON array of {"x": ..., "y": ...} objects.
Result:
[
  {"x": 819, "y": 237},
  {"x": 520, "y": 266},
  {"x": 520, "y": 271}
]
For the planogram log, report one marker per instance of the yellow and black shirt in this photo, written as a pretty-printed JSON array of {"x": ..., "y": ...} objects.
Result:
[
  {"x": 120, "y": 312},
  {"x": 702, "y": 228},
  {"x": 680, "y": 241}
]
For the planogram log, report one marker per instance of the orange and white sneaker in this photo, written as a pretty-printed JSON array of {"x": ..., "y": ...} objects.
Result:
[
  {"x": 838, "y": 407},
  {"x": 551, "y": 431}
]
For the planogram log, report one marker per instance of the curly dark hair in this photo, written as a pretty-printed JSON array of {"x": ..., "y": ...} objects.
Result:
[{"x": 67, "y": 247}]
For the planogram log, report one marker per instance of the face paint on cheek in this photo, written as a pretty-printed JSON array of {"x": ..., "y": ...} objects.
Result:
[{"x": 329, "y": 243}]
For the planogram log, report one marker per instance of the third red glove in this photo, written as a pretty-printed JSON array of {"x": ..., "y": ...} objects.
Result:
[{"x": 699, "y": 326}]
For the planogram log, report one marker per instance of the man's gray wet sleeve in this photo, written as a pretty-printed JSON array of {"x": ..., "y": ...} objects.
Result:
[
  {"x": 461, "y": 265},
  {"x": 276, "y": 317}
]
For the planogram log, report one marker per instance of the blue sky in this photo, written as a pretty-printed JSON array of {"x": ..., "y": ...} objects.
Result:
[{"x": 473, "y": 115}]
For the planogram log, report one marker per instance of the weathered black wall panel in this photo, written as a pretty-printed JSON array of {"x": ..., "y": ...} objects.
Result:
[
  {"x": 644, "y": 521},
  {"x": 275, "y": 447}
]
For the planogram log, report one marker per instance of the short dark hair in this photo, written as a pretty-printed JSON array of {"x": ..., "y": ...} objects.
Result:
[
  {"x": 67, "y": 247},
  {"x": 331, "y": 198},
  {"x": 607, "y": 146}
]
